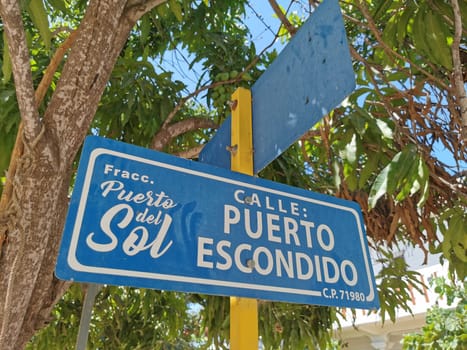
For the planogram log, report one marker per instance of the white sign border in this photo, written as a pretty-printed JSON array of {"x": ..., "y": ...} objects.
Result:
[{"x": 77, "y": 266}]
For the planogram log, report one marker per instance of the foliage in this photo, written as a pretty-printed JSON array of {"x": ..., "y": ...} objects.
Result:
[
  {"x": 453, "y": 226},
  {"x": 123, "y": 318},
  {"x": 445, "y": 327},
  {"x": 394, "y": 281},
  {"x": 293, "y": 326},
  {"x": 382, "y": 146}
]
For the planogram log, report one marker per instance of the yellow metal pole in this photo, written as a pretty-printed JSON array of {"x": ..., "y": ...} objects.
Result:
[{"x": 243, "y": 311}]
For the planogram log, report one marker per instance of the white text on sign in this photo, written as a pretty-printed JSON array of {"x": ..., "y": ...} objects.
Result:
[{"x": 281, "y": 223}]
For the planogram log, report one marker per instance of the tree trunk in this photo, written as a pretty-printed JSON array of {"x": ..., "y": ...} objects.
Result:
[{"x": 34, "y": 215}]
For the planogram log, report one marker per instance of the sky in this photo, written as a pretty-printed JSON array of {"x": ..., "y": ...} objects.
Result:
[{"x": 259, "y": 18}]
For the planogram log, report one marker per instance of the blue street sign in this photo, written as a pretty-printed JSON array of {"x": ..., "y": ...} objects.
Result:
[
  {"x": 146, "y": 219},
  {"x": 311, "y": 76}
]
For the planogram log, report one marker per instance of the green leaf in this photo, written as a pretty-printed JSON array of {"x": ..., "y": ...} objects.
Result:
[
  {"x": 145, "y": 28},
  {"x": 349, "y": 155},
  {"x": 381, "y": 9},
  {"x": 424, "y": 177},
  {"x": 400, "y": 174},
  {"x": 455, "y": 237},
  {"x": 369, "y": 168},
  {"x": 379, "y": 187},
  {"x": 58, "y": 5},
  {"x": 386, "y": 130},
  {"x": 402, "y": 22},
  {"x": 438, "y": 33},
  {"x": 418, "y": 32},
  {"x": 176, "y": 8},
  {"x": 336, "y": 177},
  {"x": 350, "y": 150},
  {"x": 359, "y": 120},
  {"x": 39, "y": 17},
  {"x": 390, "y": 32}
]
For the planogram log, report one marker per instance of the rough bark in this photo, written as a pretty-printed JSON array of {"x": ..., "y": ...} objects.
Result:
[
  {"x": 167, "y": 133},
  {"x": 34, "y": 215},
  {"x": 15, "y": 35}
]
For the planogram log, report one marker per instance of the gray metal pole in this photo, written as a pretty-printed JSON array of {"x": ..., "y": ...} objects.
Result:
[{"x": 86, "y": 314}]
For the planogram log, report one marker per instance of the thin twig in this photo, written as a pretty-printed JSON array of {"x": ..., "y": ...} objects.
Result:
[
  {"x": 163, "y": 137},
  {"x": 371, "y": 24},
  {"x": 284, "y": 20}
]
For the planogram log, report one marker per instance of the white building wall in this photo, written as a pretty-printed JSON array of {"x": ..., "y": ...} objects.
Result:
[{"x": 368, "y": 331}]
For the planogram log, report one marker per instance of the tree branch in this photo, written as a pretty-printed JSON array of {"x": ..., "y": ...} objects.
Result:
[
  {"x": 8, "y": 197},
  {"x": 136, "y": 8},
  {"x": 190, "y": 153},
  {"x": 19, "y": 53},
  {"x": 459, "y": 88},
  {"x": 38, "y": 97},
  {"x": 284, "y": 20},
  {"x": 99, "y": 40},
  {"x": 165, "y": 135},
  {"x": 185, "y": 99}
]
